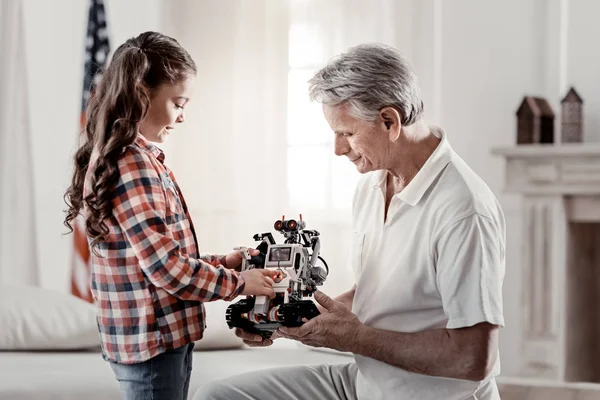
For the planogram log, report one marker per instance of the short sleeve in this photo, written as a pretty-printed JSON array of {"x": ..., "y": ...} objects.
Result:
[{"x": 470, "y": 263}]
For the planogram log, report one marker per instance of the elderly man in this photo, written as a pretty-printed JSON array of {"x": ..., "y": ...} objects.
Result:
[{"x": 428, "y": 252}]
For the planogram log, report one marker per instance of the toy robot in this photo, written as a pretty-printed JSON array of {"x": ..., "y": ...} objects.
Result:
[{"x": 299, "y": 275}]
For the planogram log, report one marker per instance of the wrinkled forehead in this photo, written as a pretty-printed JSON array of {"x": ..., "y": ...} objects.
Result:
[
  {"x": 340, "y": 118},
  {"x": 338, "y": 114}
]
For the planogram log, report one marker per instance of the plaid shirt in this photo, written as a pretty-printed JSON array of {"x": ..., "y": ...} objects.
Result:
[{"x": 149, "y": 281}]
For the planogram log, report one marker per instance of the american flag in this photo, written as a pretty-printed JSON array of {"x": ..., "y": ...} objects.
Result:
[{"x": 97, "y": 50}]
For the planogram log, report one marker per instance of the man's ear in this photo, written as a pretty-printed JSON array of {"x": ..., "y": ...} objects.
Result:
[{"x": 391, "y": 122}]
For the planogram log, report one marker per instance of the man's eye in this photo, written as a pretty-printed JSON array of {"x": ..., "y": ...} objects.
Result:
[{"x": 179, "y": 107}]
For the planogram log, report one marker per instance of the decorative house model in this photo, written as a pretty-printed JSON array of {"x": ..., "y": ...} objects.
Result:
[
  {"x": 535, "y": 121},
  {"x": 572, "y": 117}
]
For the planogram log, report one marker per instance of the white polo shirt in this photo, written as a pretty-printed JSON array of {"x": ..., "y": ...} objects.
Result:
[{"x": 436, "y": 262}]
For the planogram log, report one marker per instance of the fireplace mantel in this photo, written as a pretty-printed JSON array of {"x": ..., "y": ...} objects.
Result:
[
  {"x": 567, "y": 169},
  {"x": 560, "y": 189}
]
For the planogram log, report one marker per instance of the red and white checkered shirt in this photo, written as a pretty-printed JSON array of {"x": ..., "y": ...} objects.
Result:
[{"x": 149, "y": 281}]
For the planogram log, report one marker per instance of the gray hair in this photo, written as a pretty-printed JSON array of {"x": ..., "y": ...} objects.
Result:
[{"x": 369, "y": 77}]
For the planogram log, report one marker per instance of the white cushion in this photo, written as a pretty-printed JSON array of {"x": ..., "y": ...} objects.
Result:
[
  {"x": 217, "y": 335},
  {"x": 33, "y": 318}
]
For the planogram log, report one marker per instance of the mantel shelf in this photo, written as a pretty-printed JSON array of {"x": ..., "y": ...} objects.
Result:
[
  {"x": 549, "y": 150},
  {"x": 552, "y": 169}
]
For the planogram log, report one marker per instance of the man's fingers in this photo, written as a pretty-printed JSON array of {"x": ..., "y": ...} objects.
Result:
[
  {"x": 264, "y": 343},
  {"x": 287, "y": 332},
  {"x": 246, "y": 336},
  {"x": 327, "y": 302},
  {"x": 296, "y": 333},
  {"x": 254, "y": 252},
  {"x": 320, "y": 308},
  {"x": 252, "y": 339}
]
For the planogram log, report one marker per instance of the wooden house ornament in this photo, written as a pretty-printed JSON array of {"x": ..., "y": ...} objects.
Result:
[
  {"x": 535, "y": 121},
  {"x": 571, "y": 117}
]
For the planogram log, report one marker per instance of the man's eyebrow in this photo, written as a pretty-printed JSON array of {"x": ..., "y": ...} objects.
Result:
[{"x": 182, "y": 98}]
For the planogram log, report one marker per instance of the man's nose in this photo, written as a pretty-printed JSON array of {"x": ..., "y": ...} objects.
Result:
[
  {"x": 181, "y": 117},
  {"x": 341, "y": 146}
]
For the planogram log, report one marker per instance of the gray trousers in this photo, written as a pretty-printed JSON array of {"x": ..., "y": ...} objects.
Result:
[{"x": 303, "y": 382}]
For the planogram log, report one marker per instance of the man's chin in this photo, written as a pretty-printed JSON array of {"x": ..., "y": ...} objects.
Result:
[
  {"x": 361, "y": 170},
  {"x": 360, "y": 167}
]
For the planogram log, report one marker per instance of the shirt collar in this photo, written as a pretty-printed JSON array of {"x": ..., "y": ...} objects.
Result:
[
  {"x": 414, "y": 191},
  {"x": 143, "y": 143}
]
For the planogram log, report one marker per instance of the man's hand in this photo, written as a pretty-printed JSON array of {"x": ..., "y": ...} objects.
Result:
[
  {"x": 255, "y": 340},
  {"x": 335, "y": 328},
  {"x": 234, "y": 260}
]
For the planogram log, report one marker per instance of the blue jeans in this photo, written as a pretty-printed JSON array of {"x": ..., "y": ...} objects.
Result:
[{"x": 164, "y": 377}]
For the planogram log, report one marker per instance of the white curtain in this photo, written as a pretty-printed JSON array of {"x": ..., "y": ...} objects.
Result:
[
  {"x": 18, "y": 250},
  {"x": 231, "y": 157}
]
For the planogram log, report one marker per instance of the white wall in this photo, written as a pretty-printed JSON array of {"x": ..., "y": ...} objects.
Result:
[
  {"x": 55, "y": 32},
  {"x": 582, "y": 66}
]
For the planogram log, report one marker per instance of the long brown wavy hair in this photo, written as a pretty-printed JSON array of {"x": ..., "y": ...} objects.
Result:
[{"x": 120, "y": 101}]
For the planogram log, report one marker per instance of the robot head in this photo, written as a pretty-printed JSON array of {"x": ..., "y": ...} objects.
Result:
[{"x": 289, "y": 226}]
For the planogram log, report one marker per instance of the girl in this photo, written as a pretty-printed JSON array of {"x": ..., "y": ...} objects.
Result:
[{"x": 148, "y": 279}]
